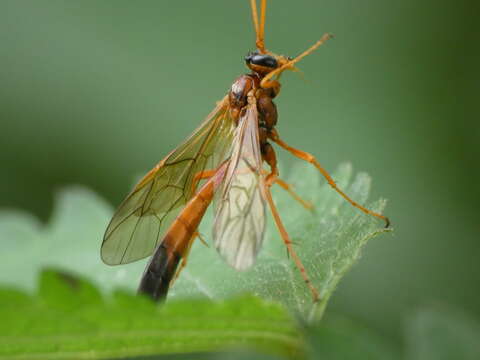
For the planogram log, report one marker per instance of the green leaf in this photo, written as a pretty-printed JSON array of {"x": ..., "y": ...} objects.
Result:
[
  {"x": 328, "y": 240},
  {"x": 71, "y": 241},
  {"x": 439, "y": 333},
  {"x": 69, "y": 320}
]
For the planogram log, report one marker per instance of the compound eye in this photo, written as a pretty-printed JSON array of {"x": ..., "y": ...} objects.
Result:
[{"x": 261, "y": 60}]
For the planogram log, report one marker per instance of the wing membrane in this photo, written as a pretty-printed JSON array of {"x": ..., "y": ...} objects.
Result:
[
  {"x": 143, "y": 217},
  {"x": 240, "y": 217}
]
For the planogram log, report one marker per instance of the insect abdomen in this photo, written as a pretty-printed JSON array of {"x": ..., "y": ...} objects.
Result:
[
  {"x": 175, "y": 245},
  {"x": 156, "y": 279}
]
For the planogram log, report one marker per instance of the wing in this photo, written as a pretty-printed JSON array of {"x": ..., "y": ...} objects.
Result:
[
  {"x": 240, "y": 216},
  {"x": 144, "y": 216}
]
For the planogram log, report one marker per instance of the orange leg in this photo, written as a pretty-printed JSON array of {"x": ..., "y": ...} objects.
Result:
[
  {"x": 183, "y": 264},
  {"x": 288, "y": 188},
  {"x": 202, "y": 175},
  {"x": 311, "y": 159},
  {"x": 271, "y": 159},
  {"x": 267, "y": 81},
  {"x": 202, "y": 240},
  {"x": 272, "y": 178},
  {"x": 288, "y": 244}
]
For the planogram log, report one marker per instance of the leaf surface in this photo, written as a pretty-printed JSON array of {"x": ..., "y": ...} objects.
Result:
[
  {"x": 328, "y": 239},
  {"x": 69, "y": 319}
]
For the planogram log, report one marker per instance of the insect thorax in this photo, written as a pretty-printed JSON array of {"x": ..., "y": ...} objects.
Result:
[{"x": 267, "y": 110}]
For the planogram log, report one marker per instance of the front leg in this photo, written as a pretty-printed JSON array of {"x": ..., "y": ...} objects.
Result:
[
  {"x": 272, "y": 178},
  {"x": 271, "y": 84},
  {"x": 273, "y": 135}
]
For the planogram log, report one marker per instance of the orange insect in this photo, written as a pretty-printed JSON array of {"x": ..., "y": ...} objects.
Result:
[{"x": 162, "y": 213}]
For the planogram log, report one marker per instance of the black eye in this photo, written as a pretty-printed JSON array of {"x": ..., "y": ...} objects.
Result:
[{"x": 261, "y": 60}]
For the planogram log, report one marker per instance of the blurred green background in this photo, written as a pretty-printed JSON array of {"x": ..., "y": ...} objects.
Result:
[{"x": 96, "y": 92}]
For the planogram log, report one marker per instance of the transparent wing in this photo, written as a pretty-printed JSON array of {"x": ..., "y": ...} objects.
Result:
[
  {"x": 144, "y": 216},
  {"x": 240, "y": 215}
]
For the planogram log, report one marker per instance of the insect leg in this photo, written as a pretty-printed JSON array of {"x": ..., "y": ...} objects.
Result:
[
  {"x": 267, "y": 82},
  {"x": 288, "y": 244},
  {"x": 202, "y": 239},
  {"x": 268, "y": 154},
  {"x": 205, "y": 174},
  {"x": 183, "y": 264},
  {"x": 289, "y": 188},
  {"x": 311, "y": 159}
]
